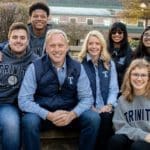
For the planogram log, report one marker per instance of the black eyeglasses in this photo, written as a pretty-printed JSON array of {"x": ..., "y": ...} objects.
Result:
[{"x": 116, "y": 31}]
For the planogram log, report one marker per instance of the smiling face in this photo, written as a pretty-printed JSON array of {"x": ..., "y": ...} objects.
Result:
[
  {"x": 117, "y": 35},
  {"x": 18, "y": 41},
  {"x": 57, "y": 47},
  {"x": 139, "y": 80},
  {"x": 39, "y": 19},
  {"x": 94, "y": 47},
  {"x": 146, "y": 39}
]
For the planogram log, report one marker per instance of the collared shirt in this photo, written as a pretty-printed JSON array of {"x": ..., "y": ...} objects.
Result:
[
  {"x": 61, "y": 73},
  {"x": 113, "y": 86},
  {"x": 26, "y": 95}
]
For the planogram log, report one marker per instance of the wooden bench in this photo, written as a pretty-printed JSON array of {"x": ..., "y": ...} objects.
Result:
[{"x": 60, "y": 139}]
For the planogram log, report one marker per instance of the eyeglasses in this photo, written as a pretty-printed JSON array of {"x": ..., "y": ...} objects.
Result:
[
  {"x": 137, "y": 75},
  {"x": 146, "y": 35},
  {"x": 116, "y": 31}
]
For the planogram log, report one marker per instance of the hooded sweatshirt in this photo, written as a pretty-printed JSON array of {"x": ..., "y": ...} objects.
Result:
[
  {"x": 12, "y": 70},
  {"x": 37, "y": 43},
  {"x": 133, "y": 118}
]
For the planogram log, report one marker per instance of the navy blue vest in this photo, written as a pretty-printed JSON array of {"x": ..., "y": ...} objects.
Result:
[
  {"x": 104, "y": 76},
  {"x": 50, "y": 94}
]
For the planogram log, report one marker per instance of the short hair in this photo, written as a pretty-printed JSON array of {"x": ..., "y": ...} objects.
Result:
[
  {"x": 17, "y": 26},
  {"x": 104, "y": 54},
  {"x": 51, "y": 32},
  {"x": 127, "y": 89},
  {"x": 39, "y": 5}
]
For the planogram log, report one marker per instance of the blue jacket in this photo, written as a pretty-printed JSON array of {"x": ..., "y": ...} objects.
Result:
[
  {"x": 50, "y": 94},
  {"x": 122, "y": 61},
  {"x": 104, "y": 76},
  {"x": 3, "y": 44}
]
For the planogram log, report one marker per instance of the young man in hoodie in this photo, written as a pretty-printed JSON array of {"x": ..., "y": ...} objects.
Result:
[
  {"x": 16, "y": 58},
  {"x": 38, "y": 15}
]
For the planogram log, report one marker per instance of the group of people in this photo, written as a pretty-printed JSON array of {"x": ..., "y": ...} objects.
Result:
[{"x": 105, "y": 93}]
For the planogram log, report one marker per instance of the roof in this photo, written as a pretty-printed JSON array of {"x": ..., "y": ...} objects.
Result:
[
  {"x": 82, "y": 11},
  {"x": 86, "y": 3}
]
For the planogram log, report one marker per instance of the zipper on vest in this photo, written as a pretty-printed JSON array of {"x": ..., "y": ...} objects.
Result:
[{"x": 59, "y": 88}]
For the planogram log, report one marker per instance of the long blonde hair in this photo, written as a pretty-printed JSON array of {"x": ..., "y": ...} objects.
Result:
[
  {"x": 127, "y": 89},
  {"x": 104, "y": 53}
]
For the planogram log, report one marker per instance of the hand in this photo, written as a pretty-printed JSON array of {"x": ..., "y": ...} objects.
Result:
[
  {"x": 106, "y": 108},
  {"x": 147, "y": 138},
  {"x": 94, "y": 109},
  {"x": 61, "y": 117}
]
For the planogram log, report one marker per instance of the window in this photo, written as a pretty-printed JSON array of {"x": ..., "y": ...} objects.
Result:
[
  {"x": 72, "y": 20},
  {"x": 90, "y": 21},
  {"x": 140, "y": 24},
  {"x": 55, "y": 20}
]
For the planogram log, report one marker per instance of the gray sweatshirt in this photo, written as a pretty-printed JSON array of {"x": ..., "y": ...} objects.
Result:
[
  {"x": 37, "y": 43},
  {"x": 133, "y": 118},
  {"x": 12, "y": 70}
]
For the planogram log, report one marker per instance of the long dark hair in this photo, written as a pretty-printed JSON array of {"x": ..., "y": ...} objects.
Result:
[
  {"x": 141, "y": 50},
  {"x": 124, "y": 44}
]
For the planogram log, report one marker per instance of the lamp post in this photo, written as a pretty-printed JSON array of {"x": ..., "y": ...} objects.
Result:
[{"x": 144, "y": 7}]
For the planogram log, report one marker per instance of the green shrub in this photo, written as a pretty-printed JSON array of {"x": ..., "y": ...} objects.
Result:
[{"x": 134, "y": 43}]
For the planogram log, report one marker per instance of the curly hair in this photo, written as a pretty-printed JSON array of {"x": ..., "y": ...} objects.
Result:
[
  {"x": 39, "y": 5},
  {"x": 127, "y": 88}
]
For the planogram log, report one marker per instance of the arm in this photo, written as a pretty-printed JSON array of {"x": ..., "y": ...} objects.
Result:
[
  {"x": 113, "y": 87},
  {"x": 26, "y": 94},
  {"x": 84, "y": 94},
  {"x": 123, "y": 127}
]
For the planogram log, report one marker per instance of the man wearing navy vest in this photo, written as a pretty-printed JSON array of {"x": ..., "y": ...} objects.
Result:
[{"x": 56, "y": 92}]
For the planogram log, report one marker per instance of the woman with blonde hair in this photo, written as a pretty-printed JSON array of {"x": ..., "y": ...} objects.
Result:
[
  {"x": 132, "y": 114},
  {"x": 102, "y": 74}
]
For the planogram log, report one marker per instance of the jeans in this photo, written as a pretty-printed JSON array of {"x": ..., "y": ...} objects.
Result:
[
  {"x": 88, "y": 124},
  {"x": 9, "y": 127}
]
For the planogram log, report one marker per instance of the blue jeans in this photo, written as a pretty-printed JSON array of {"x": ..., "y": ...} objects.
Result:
[
  {"x": 88, "y": 124},
  {"x": 9, "y": 127}
]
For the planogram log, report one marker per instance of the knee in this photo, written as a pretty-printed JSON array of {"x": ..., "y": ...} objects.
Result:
[
  {"x": 11, "y": 123},
  {"x": 119, "y": 141},
  {"x": 30, "y": 122},
  {"x": 138, "y": 145},
  {"x": 91, "y": 118}
]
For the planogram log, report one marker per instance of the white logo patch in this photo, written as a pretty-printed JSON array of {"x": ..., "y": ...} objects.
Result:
[{"x": 12, "y": 80}]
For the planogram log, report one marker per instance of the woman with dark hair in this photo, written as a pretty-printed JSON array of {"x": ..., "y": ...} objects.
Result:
[
  {"x": 143, "y": 49},
  {"x": 119, "y": 48},
  {"x": 132, "y": 114}
]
